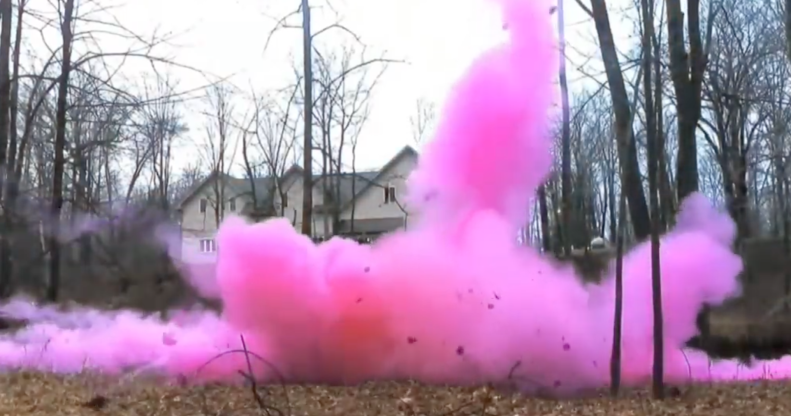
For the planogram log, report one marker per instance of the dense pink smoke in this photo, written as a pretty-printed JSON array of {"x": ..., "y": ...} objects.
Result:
[{"x": 455, "y": 299}]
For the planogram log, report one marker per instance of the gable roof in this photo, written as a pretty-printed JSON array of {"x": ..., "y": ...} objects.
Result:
[
  {"x": 407, "y": 151},
  {"x": 240, "y": 186},
  {"x": 349, "y": 185}
]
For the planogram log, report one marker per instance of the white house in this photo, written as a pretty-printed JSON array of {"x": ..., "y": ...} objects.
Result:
[{"x": 363, "y": 204}]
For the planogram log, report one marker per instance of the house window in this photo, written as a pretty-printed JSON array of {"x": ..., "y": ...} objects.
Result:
[
  {"x": 208, "y": 245},
  {"x": 390, "y": 194},
  {"x": 203, "y": 203},
  {"x": 232, "y": 205}
]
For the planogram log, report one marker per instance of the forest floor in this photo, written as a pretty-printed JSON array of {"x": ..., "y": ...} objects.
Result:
[{"x": 27, "y": 394}]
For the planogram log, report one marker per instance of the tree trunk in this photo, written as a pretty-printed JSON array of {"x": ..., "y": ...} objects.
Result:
[
  {"x": 615, "y": 357},
  {"x": 251, "y": 176},
  {"x": 786, "y": 244},
  {"x": 627, "y": 151},
  {"x": 307, "y": 155},
  {"x": 326, "y": 191},
  {"x": 686, "y": 71},
  {"x": 604, "y": 208},
  {"x": 53, "y": 284},
  {"x": 788, "y": 27},
  {"x": 565, "y": 173},
  {"x": 653, "y": 173},
  {"x": 354, "y": 189},
  {"x": 6, "y": 14},
  {"x": 667, "y": 204},
  {"x": 786, "y": 224},
  {"x": 85, "y": 254},
  {"x": 613, "y": 223},
  {"x": 546, "y": 240},
  {"x": 740, "y": 194},
  {"x": 12, "y": 160}
]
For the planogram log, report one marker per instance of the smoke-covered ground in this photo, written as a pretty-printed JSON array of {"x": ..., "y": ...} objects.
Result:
[{"x": 453, "y": 300}]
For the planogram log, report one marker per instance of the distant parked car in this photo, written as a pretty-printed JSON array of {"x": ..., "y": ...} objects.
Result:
[{"x": 599, "y": 243}]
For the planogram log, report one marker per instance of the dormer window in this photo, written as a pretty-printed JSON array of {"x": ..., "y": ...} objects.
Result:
[{"x": 389, "y": 194}]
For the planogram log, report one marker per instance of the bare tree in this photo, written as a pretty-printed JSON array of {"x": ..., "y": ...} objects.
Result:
[
  {"x": 615, "y": 357},
  {"x": 219, "y": 148},
  {"x": 687, "y": 71},
  {"x": 309, "y": 37},
  {"x": 546, "y": 238},
  {"x": 60, "y": 144},
  {"x": 161, "y": 127},
  {"x": 65, "y": 109},
  {"x": 624, "y": 135},
  {"x": 565, "y": 169},
  {"x": 252, "y": 166},
  {"x": 8, "y": 93},
  {"x": 6, "y": 13},
  {"x": 307, "y": 139},
  {"x": 742, "y": 45},
  {"x": 667, "y": 199},
  {"x": 347, "y": 83},
  {"x": 647, "y": 7},
  {"x": 274, "y": 128},
  {"x": 787, "y": 24},
  {"x": 422, "y": 122},
  {"x": 94, "y": 116}
]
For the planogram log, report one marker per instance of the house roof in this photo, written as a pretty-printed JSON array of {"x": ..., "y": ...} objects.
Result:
[
  {"x": 350, "y": 185},
  {"x": 407, "y": 151},
  {"x": 239, "y": 186}
]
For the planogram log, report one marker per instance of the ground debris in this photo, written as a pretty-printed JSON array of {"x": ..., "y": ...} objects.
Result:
[{"x": 28, "y": 394}]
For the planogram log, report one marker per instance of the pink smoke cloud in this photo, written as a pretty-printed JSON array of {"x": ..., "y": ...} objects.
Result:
[{"x": 453, "y": 300}]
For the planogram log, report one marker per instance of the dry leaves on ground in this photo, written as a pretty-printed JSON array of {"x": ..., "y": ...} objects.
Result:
[{"x": 28, "y": 394}]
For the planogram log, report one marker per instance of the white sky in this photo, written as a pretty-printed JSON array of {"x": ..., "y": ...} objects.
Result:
[{"x": 438, "y": 39}]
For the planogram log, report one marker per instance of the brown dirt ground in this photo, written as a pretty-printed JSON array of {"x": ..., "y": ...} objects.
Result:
[{"x": 28, "y": 394}]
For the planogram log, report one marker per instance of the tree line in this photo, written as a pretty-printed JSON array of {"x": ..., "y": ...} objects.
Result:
[
  {"x": 700, "y": 104},
  {"x": 89, "y": 152}
]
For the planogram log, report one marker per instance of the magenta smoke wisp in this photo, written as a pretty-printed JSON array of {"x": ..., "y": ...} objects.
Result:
[{"x": 455, "y": 299}]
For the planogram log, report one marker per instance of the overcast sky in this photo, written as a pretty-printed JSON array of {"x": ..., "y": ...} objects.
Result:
[{"x": 437, "y": 39}]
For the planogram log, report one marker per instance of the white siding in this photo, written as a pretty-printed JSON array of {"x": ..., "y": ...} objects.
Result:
[
  {"x": 371, "y": 204},
  {"x": 197, "y": 225},
  {"x": 294, "y": 210}
]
